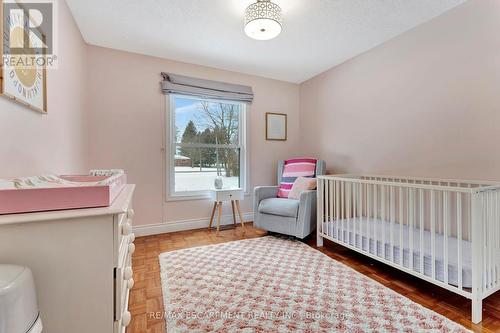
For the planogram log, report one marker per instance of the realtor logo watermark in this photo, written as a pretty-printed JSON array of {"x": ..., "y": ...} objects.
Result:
[{"x": 29, "y": 32}]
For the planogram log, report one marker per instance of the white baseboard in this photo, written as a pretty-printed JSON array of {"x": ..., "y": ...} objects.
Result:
[{"x": 162, "y": 228}]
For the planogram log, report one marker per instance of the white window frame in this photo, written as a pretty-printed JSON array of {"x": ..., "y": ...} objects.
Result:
[{"x": 171, "y": 143}]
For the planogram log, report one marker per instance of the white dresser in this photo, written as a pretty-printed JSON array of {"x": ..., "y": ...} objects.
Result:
[{"x": 81, "y": 262}]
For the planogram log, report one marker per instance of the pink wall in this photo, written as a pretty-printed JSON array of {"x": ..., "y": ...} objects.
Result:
[
  {"x": 127, "y": 127},
  {"x": 426, "y": 103},
  {"x": 32, "y": 143}
]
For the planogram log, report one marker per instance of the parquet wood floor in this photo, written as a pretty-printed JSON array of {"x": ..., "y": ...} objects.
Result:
[{"x": 146, "y": 295}]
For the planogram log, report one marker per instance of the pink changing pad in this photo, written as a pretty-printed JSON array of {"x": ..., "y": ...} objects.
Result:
[{"x": 44, "y": 193}]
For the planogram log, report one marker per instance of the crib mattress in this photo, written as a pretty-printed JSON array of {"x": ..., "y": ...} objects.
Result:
[{"x": 357, "y": 238}]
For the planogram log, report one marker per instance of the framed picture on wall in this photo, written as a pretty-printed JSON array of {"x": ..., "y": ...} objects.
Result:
[
  {"x": 276, "y": 126},
  {"x": 23, "y": 73}
]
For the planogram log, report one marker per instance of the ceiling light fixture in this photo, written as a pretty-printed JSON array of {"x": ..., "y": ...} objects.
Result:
[{"x": 263, "y": 20}]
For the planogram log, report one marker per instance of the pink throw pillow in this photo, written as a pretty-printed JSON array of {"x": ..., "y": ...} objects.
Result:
[
  {"x": 300, "y": 185},
  {"x": 297, "y": 167}
]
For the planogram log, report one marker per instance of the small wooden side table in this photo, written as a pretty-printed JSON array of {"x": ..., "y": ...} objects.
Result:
[{"x": 234, "y": 195}]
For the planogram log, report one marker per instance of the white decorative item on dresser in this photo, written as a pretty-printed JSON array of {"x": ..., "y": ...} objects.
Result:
[{"x": 81, "y": 262}]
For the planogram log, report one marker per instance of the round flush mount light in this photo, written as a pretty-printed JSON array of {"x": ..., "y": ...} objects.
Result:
[{"x": 263, "y": 20}]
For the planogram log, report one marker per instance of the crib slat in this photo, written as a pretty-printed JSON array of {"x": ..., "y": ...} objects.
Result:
[
  {"x": 401, "y": 224},
  {"x": 361, "y": 197},
  {"x": 347, "y": 212},
  {"x": 337, "y": 204},
  {"x": 384, "y": 229},
  {"x": 495, "y": 249},
  {"x": 459, "y": 239},
  {"x": 339, "y": 208},
  {"x": 342, "y": 210},
  {"x": 369, "y": 204},
  {"x": 392, "y": 213},
  {"x": 484, "y": 239},
  {"x": 497, "y": 235},
  {"x": 372, "y": 219},
  {"x": 353, "y": 201},
  {"x": 375, "y": 219},
  {"x": 491, "y": 248},
  {"x": 320, "y": 206},
  {"x": 471, "y": 217},
  {"x": 433, "y": 233},
  {"x": 363, "y": 210},
  {"x": 360, "y": 218},
  {"x": 368, "y": 215},
  {"x": 327, "y": 200},
  {"x": 331, "y": 214},
  {"x": 411, "y": 208},
  {"x": 439, "y": 212},
  {"x": 445, "y": 235},
  {"x": 354, "y": 211},
  {"x": 421, "y": 213},
  {"x": 333, "y": 207},
  {"x": 328, "y": 197},
  {"x": 358, "y": 231},
  {"x": 348, "y": 207},
  {"x": 334, "y": 197},
  {"x": 493, "y": 240},
  {"x": 497, "y": 239},
  {"x": 332, "y": 211}
]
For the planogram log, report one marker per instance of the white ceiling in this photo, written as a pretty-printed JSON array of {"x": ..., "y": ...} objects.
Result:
[{"x": 317, "y": 34}]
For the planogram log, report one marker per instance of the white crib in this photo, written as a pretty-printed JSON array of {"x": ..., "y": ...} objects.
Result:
[{"x": 446, "y": 232}]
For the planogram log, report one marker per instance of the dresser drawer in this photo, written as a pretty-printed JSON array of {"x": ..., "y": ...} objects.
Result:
[
  {"x": 123, "y": 229},
  {"x": 121, "y": 324},
  {"x": 123, "y": 280},
  {"x": 127, "y": 248},
  {"x": 123, "y": 248}
]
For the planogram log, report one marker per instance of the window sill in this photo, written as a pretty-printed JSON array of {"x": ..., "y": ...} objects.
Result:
[
  {"x": 188, "y": 197},
  {"x": 174, "y": 198}
]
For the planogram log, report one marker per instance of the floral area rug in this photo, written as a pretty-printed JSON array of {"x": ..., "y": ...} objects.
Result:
[{"x": 270, "y": 284}]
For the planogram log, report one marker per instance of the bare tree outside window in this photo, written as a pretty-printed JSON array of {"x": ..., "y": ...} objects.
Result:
[
  {"x": 207, "y": 142},
  {"x": 223, "y": 122}
]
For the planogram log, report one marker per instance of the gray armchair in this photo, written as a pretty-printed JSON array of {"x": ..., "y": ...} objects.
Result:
[{"x": 286, "y": 216}]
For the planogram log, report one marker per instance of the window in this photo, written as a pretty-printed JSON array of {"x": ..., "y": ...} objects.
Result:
[{"x": 207, "y": 140}]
